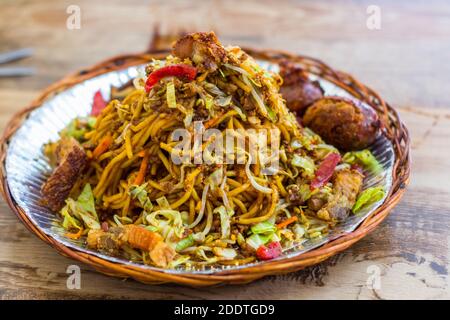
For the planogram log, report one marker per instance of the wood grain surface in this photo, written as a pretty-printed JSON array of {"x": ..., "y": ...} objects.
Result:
[{"x": 406, "y": 61}]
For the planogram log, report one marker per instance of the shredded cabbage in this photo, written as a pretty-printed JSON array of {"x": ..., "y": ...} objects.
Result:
[
  {"x": 296, "y": 144},
  {"x": 83, "y": 209},
  {"x": 140, "y": 193},
  {"x": 215, "y": 178},
  {"x": 209, "y": 102},
  {"x": 240, "y": 239},
  {"x": 240, "y": 112},
  {"x": 212, "y": 88},
  {"x": 263, "y": 109},
  {"x": 225, "y": 220},
  {"x": 170, "y": 95},
  {"x": 299, "y": 231},
  {"x": 69, "y": 222},
  {"x": 263, "y": 227},
  {"x": 72, "y": 130},
  {"x": 185, "y": 243},
  {"x": 227, "y": 253},
  {"x": 222, "y": 101},
  {"x": 86, "y": 200},
  {"x": 257, "y": 240},
  {"x": 163, "y": 203},
  {"x": 180, "y": 260},
  {"x": 367, "y": 197},
  {"x": 308, "y": 138},
  {"x": 201, "y": 254},
  {"x": 237, "y": 69},
  {"x": 91, "y": 122},
  {"x": 202, "y": 208},
  {"x": 188, "y": 117},
  {"x": 173, "y": 218},
  {"x": 251, "y": 178},
  {"x": 305, "y": 163},
  {"x": 365, "y": 158}
]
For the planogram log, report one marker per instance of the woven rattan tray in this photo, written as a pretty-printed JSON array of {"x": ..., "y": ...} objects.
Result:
[{"x": 393, "y": 130}]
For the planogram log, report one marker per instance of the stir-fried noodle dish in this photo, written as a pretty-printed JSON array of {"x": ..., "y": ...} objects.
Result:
[{"x": 200, "y": 162}]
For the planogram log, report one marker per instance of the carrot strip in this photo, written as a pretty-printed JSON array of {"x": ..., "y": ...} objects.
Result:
[
  {"x": 102, "y": 146},
  {"x": 141, "y": 153},
  {"x": 142, "y": 170},
  {"x": 286, "y": 222},
  {"x": 74, "y": 236}
]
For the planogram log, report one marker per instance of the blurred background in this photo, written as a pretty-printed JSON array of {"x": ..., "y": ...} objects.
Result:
[
  {"x": 399, "y": 48},
  {"x": 409, "y": 50}
]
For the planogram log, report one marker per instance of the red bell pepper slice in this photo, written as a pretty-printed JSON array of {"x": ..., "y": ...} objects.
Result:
[
  {"x": 99, "y": 104},
  {"x": 177, "y": 70},
  {"x": 270, "y": 251},
  {"x": 325, "y": 170}
]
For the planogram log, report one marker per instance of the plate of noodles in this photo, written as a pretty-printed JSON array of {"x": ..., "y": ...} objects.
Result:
[{"x": 203, "y": 165}]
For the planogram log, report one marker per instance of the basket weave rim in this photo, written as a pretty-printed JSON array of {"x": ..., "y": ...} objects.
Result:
[{"x": 393, "y": 128}]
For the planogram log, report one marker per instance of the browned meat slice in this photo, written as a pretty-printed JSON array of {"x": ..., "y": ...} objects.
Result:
[
  {"x": 343, "y": 123},
  {"x": 204, "y": 49},
  {"x": 348, "y": 183},
  {"x": 298, "y": 91},
  {"x": 71, "y": 161},
  {"x": 111, "y": 242},
  {"x": 346, "y": 186}
]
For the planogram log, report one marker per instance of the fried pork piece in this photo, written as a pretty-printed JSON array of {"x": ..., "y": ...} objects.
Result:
[
  {"x": 342, "y": 123},
  {"x": 204, "y": 49},
  {"x": 298, "y": 91},
  {"x": 346, "y": 186},
  {"x": 111, "y": 242},
  {"x": 71, "y": 161}
]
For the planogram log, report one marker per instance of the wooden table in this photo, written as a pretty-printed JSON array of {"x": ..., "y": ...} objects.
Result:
[{"x": 406, "y": 61}]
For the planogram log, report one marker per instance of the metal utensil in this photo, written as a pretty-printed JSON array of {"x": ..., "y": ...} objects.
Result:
[{"x": 15, "y": 55}]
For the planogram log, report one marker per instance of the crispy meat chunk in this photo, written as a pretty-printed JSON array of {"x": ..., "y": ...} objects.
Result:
[
  {"x": 298, "y": 91},
  {"x": 343, "y": 123},
  {"x": 111, "y": 242},
  {"x": 346, "y": 186},
  {"x": 108, "y": 242},
  {"x": 348, "y": 182},
  {"x": 204, "y": 49},
  {"x": 71, "y": 161}
]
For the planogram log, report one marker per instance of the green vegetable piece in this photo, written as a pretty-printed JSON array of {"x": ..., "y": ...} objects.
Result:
[
  {"x": 305, "y": 163},
  {"x": 368, "y": 197},
  {"x": 263, "y": 227},
  {"x": 185, "y": 243},
  {"x": 140, "y": 193},
  {"x": 86, "y": 200},
  {"x": 256, "y": 240},
  {"x": 170, "y": 95},
  {"x": 364, "y": 158}
]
